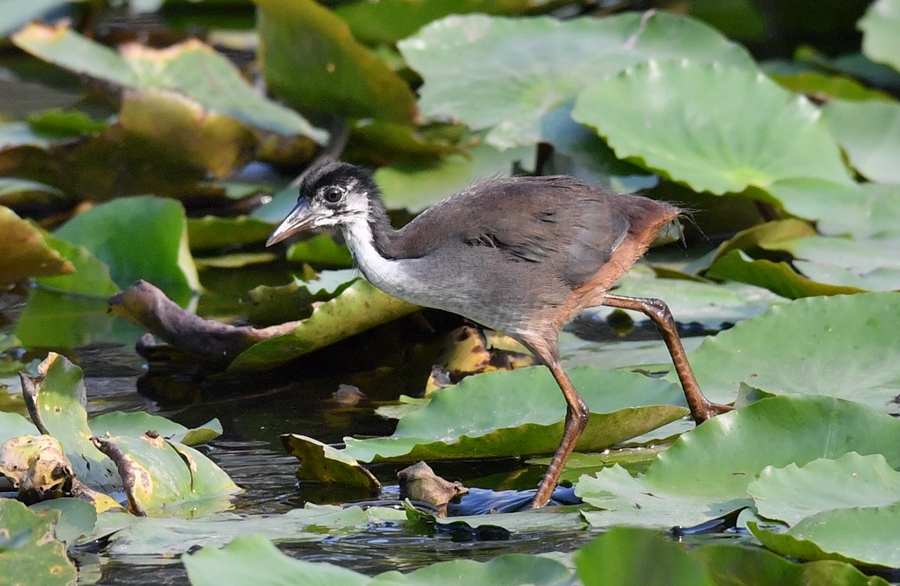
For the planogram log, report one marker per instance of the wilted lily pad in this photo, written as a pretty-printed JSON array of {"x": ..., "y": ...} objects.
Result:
[
  {"x": 24, "y": 253},
  {"x": 29, "y": 546},
  {"x": 358, "y": 308},
  {"x": 792, "y": 493},
  {"x": 680, "y": 102},
  {"x": 707, "y": 470},
  {"x": 473, "y": 65},
  {"x": 191, "y": 68}
]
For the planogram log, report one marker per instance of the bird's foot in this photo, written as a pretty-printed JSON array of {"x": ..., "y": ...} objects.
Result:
[{"x": 708, "y": 410}]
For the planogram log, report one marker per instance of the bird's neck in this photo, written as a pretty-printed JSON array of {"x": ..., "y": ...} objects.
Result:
[{"x": 369, "y": 240}]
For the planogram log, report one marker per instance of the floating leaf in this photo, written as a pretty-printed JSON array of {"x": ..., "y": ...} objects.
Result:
[
  {"x": 240, "y": 561},
  {"x": 358, "y": 308},
  {"x": 329, "y": 71},
  {"x": 323, "y": 463},
  {"x": 24, "y": 252},
  {"x": 880, "y": 26},
  {"x": 77, "y": 518},
  {"x": 869, "y": 132},
  {"x": 30, "y": 550},
  {"x": 506, "y": 74},
  {"x": 840, "y": 346},
  {"x": 792, "y": 493},
  {"x": 521, "y": 412},
  {"x": 822, "y": 87},
  {"x": 415, "y": 188},
  {"x": 707, "y": 470},
  {"x": 160, "y": 254},
  {"x": 191, "y": 68},
  {"x": 137, "y": 423},
  {"x": 212, "y": 232},
  {"x": 670, "y": 117},
  {"x": 865, "y": 536}
]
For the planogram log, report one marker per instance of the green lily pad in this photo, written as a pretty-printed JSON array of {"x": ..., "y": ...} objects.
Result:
[
  {"x": 415, "y": 188},
  {"x": 57, "y": 406},
  {"x": 320, "y": 250},
  {"x": 190, "y": 68},
  {"x": 706, "y": 303},
  {"x": 323, "y": 463},
  {"x": 77, "y": 518},
  {"x": 622, "y": 557},
  {"x": 13, "y": 425},
  {"x": 862, "y": 210},
  {"x": 172, "y": 535},
  {"x": 91, "y": 276},
  {"x": 24, "y": 253},
  {"x": 388, "y": 21},
  {"x": 827, "y": 87},
  {"x": 792, "y": 493},
  {"x": 506, "y": 74},
  {"x": 752, "y": 566},
  {"x": 329, "y": 72},
  {"x": 761, "y": 133},
  {"x": 869, "y": 132},
  {"x": 869, "y": 265},
  {"x": 30, "y": 549},
  {"x": 879, "y": 26},
  {"x": 241, "y": 559},
  {"x": 14, "y": 191},
  {"x": 162, "y": 475},
  {"x": 61, "y": 123},
  {"x": 137, "y": 423},
  {"x": 840, "y": 346},
  {"x": 59, "y": 319},
  {"x": 862, "y": 536},
  {"x": 212, "y": 232},
  {"x": 274, "y": 305},
  {"x": 358, "y": 308},
  {"x": 139, "y": 238},
  {"x": 521, "y": 412},
  {"x": 707, "y": 470},
  {"x": 778, "y": 277}
]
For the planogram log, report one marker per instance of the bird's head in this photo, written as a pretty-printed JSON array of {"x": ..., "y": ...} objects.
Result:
[{"x": 332, "y": 195}]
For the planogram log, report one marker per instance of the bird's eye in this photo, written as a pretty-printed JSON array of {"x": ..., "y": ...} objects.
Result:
[{"x": 332, "y": 195}]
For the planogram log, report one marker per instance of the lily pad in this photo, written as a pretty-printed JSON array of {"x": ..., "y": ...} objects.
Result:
[
  {"x": 707, "y": 470},
  {"x": 621, "y": 557},
  {"x": 241, "y": 559},
  {"x": 77, "y": 518},
  {"x": 56, "y": 403},
  {"x": 359, "y": 307},
  {"x": 190, "y": 68},
  {"x": 137, "y": 423},
  {"x": 879, "y": 26},
  {"x": 415, "y": 188},
  {"x": 329, "y": 72},
  {"x": 506, "y": 74},
  {"x": 213, "y": 232},
  {"x": 172, "y": 536},
  {"x": 24, "y": 252},
  {"x": 792, "y": 493},
  {"x": 323, "y": 463},
  {"x": 669, "y": 116},
  {"x": 320, "y": 250},
  {"x": 824, "y": 87},
  {"x": 521, "y": 412},
  {"x": 160, "y": 254},
  {"x": 869, "y": 132},
  {"x": 840, "y": 346},
  {"x": 868, "y": 265},
  {"x": 863, "y": 536},
  {"x": 29, "y": 546},
  {"x": 13, "y": 425}
]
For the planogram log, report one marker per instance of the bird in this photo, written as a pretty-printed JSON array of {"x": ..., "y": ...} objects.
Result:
[{"x": 520, "y": 255}]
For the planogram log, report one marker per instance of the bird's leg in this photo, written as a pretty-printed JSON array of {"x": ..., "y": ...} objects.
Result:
[
  {"x": 576, "y": 419},
  {"x": 656, "y": 309}
]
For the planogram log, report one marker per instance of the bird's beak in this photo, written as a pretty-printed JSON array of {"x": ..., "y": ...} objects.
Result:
[{"x": 298, "y": 220}]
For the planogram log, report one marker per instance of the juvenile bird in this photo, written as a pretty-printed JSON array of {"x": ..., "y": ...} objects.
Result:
[{"x": 522, "y": 256}]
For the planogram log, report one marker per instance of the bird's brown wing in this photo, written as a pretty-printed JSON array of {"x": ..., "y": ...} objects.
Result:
[{"x": 558, "y": 221}]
